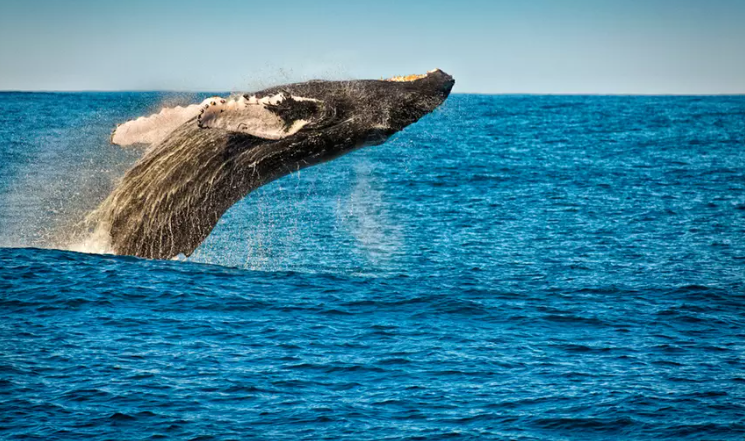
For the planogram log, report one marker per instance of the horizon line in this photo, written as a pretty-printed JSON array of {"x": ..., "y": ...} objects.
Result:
[{"x": 662, "y": 94}]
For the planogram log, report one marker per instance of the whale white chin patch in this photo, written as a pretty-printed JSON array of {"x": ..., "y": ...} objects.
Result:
[{"x": 250, "y": 115}]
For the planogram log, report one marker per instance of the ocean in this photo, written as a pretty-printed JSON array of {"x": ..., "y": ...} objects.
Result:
[{"x": 510, "y": 267}]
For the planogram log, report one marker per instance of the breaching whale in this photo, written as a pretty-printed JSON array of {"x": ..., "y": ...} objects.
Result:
[{"x": 204, "y": 158}]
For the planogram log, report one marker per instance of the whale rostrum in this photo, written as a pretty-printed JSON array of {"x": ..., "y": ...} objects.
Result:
[{"x": 205, "y": 157}]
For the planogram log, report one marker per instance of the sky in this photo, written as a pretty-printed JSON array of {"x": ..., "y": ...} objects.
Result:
[{"x": 489, "y": 46}]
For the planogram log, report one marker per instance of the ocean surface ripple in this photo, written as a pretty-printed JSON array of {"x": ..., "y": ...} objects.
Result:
[{"x": 511, "y": 267}]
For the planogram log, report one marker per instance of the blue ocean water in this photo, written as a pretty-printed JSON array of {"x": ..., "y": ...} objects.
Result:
[{"x": 511, "y": 267}]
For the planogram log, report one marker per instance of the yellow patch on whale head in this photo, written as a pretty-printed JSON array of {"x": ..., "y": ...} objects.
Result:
[{"x": 405, "y": 78}]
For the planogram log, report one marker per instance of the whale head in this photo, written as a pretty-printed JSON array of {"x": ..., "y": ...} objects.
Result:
[
  {"x": 373, "y": 110},
  {"x": 399, "y": 101},
  {"x": 413, "y": 97}
]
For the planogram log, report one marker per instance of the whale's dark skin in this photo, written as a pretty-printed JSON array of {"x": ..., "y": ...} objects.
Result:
[{"x": 172, "y": 198}]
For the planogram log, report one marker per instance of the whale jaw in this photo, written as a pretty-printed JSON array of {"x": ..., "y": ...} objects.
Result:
[{"x": 172, "y": 198}]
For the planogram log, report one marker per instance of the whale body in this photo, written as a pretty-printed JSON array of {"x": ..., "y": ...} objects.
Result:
[{"x": 204, "y": 158}]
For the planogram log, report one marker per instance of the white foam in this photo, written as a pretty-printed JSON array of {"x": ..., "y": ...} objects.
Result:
[{"x": 97, "y": 242}]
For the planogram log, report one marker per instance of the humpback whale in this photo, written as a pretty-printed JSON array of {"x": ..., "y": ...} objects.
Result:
[{"x": 205, "y": 157}]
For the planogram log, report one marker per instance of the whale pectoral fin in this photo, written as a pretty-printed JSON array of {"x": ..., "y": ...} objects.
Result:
[
  {"x": 155, "y": 128},
  {"x": 273, "y": 117}
]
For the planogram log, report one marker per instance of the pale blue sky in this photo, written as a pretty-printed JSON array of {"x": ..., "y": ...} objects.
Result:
[{"x": 527, "y": 46}]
